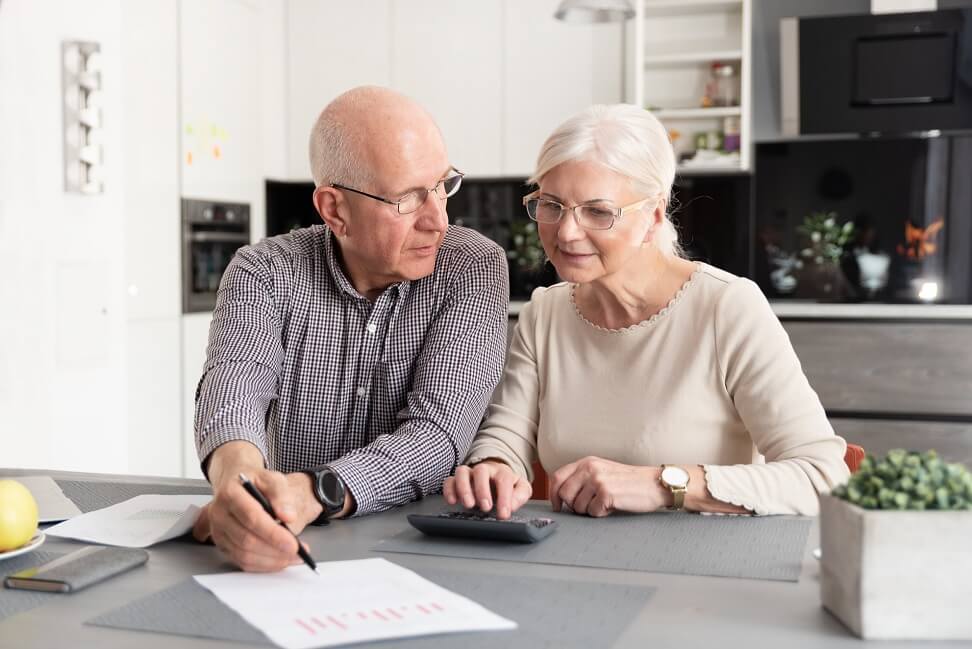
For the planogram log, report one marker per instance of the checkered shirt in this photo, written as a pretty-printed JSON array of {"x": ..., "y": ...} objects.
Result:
[{"x": 389, "y": 393}]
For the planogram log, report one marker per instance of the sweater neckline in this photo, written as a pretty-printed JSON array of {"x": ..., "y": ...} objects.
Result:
[{"x": 651, "y": 320}]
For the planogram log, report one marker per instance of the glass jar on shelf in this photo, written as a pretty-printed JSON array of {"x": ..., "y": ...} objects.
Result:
[{"x": 724, "y": 85}]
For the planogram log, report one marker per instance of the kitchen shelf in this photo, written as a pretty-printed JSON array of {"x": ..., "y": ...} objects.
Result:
[
  {"x": 691, "y": 56},
  {"x": 698, "y": 113},
  {"x": 689, "y": 7}
]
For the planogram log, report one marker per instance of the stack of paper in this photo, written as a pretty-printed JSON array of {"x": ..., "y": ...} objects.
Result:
[
  {"x": 136, "y": 523},
  {"x": 349, "y": 601}
]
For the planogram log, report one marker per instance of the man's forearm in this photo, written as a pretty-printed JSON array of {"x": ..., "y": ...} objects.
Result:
[{"x": 231, "y": 458}]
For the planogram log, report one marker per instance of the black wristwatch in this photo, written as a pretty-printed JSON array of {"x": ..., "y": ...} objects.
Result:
[{"x": 330, "y": 492}]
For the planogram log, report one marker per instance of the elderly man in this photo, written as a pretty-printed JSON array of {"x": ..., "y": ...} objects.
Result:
[{"x": 350, "y": 364}]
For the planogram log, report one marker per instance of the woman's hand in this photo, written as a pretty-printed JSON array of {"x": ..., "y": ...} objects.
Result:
[
  {"x": 475, "y": 486},
  {"x": 598, "y": 487}
]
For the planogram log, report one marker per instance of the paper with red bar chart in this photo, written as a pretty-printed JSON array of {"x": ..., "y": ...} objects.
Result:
[{"x": 349, "y": 601}]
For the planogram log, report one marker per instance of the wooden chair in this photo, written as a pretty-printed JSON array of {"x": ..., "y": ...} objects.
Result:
[{"x": 852, "y": 458}]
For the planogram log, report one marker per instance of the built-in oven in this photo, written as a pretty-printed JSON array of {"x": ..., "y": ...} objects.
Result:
[
  {"x": 212, "y": 231},
  {"x": 885, "y": 73}
]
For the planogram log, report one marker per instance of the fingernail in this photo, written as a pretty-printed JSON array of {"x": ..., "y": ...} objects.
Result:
[
  {"x": 505, "y": 512},
  {"x": 484, "y": 504}
]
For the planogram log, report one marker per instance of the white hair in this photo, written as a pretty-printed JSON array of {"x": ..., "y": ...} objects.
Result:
[{"x": 627, "y": 140}]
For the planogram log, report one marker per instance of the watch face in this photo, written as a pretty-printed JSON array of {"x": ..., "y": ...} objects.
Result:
[
  {"x": 331, "y": 490},
  {"x": 675, "y": 476}
]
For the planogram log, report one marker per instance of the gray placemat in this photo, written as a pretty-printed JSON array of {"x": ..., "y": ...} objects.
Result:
[
  {"x": 750, "y": 547},
  {"x": 17, "y": 601},
  {"x": 550, "y": 613},
  {"x": 92, "y": 495}
]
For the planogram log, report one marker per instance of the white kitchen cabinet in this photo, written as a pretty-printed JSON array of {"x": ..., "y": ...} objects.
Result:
[
  {"x": 497, "y": 75},
  {"x": 331, "y": 47},
  {"x": 449, "y": 57},
  {"x": 552, "y": 70},
  {"x": 195, "y": 335}
]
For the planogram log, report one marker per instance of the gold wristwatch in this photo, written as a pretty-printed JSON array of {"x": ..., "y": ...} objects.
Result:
[{"x": 676, "y": 479}]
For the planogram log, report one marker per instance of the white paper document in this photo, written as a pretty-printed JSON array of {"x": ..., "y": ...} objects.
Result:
[
  {"x": 52, "y": 504},
  {"x": 136, "y": 523},
  {"x": 349, "y": 601}
]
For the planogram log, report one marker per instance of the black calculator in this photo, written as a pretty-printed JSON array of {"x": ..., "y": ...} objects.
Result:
[{"x": 484, "y": 526}]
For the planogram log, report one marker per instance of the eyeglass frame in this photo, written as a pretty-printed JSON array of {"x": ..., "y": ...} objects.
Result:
[
  {"x": 617, "y": 212},
  {"x": 398, "y": 203}
]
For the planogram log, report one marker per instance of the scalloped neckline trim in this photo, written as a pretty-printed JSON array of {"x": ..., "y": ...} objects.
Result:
[{"x": 651, "y": 319}]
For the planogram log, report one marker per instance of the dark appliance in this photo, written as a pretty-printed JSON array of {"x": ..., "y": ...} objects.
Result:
[
  {"x": 885, "y": 73},
  {"x": 212, "y": 231}
]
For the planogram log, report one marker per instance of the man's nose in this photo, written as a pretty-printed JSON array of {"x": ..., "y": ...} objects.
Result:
[{"x": 432, "y": 213}]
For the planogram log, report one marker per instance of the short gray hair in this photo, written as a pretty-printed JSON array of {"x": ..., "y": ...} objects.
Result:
[
  {"x": 626, "y": 139},
  {"x": 337, "y": 153}
]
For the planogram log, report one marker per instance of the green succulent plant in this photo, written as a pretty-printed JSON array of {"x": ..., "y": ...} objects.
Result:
[{"x": 908, "y": 480}]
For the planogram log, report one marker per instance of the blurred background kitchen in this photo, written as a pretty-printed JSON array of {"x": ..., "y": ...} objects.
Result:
[{"x": 825, "y": 151}]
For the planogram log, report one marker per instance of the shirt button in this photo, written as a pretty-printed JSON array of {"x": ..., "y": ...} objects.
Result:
[
  {"x": 362, "y": 392},
  {"x": 372, "y": 328}
]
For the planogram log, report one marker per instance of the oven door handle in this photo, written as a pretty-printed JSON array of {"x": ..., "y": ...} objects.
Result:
[{"x": 219, "y": 237}]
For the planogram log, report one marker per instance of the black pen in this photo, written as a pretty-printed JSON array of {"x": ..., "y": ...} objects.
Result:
[{"x": 260, "y": 498}]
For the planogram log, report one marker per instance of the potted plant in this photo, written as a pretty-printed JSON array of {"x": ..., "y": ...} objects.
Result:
[
  {"x": 896, "y": 544},
  {"x": 826, "y": 242},
  {"x": 528, "y": 268}
]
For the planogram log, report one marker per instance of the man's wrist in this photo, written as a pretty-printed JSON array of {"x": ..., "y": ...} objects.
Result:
[{"x": 228, "y": 460}]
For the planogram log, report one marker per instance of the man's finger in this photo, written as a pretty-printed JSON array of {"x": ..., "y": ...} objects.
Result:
[
  {"x": 250, "y": 515},
  {"x": 201, "y": 529},
  {"x": 449, "y": 490}
]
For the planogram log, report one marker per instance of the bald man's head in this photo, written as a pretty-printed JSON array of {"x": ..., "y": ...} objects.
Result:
[{"x": 359, "y": 135}]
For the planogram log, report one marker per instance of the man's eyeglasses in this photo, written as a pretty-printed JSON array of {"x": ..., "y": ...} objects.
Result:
[
  {"x": 411, "y": 201},
  {"x": 590, "y": 216}
]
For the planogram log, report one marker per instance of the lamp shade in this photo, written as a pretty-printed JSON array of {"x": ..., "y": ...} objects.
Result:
[{"x": 594, "y": 11}]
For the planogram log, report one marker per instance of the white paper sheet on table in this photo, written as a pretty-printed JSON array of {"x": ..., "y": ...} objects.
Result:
[
  {"x": 136, "y": 523},
  {"x": 349, "y": 601},
  {"x": 52, "y": 504}
]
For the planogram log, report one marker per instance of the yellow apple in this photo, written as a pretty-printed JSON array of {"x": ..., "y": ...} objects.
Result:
[{"x": 18, "y": 515}]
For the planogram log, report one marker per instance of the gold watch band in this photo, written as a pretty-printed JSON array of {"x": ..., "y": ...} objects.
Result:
[{"x": 678, "y": 498}]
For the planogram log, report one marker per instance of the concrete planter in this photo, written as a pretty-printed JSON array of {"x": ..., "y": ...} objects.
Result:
[{"x": 897, "y": 574}]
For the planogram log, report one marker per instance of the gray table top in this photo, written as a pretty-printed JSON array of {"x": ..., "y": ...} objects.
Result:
[{"x": 686, "y": 611}]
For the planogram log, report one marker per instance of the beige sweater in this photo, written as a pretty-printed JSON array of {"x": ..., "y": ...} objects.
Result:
[{"x": 711, "y": 379}]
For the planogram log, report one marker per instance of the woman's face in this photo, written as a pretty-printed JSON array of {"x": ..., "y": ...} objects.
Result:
[{"x": 581, "y": 255}]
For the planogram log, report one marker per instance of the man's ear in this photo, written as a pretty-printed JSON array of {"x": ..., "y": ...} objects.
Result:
[{"x": 333, "y": 209}]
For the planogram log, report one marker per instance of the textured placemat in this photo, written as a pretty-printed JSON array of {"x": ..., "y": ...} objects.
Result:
[
  {"x": 750, "y": 547},
  {"x": 89, "y": 496},
  {"x": 17, "y": 601},
  {"x": 550, "y": 613}
]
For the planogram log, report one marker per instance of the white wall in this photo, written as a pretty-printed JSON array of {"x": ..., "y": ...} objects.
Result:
[
  {"x": 902, "y": 6},
  {"x": 62, "y": 305}
]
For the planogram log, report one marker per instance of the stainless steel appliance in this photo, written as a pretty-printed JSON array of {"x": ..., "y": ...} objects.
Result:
[
  {"x": 885, "y": 73},
  {"x": 212, "y": 231}
]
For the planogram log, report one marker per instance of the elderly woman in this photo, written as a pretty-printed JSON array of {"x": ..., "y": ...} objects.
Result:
[{"x": 644, "y": 381}]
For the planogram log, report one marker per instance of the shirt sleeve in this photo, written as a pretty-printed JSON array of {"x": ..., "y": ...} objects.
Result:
[
  {"x": 455, "y": 373},
  {"x": 244, "y": 359},
  {"x": 780, "y": 410},
  {"x": 509, "y": 432}
]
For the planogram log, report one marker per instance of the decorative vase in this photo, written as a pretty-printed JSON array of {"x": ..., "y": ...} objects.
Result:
[
  {"x": 896, "y": 574},
  {"x": 821, "y": 281}
]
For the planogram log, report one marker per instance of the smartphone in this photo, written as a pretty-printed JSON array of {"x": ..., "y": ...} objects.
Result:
[{"x": 77, "y": 570}]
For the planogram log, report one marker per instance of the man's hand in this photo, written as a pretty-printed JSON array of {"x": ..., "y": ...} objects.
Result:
[
  {"x": 236, "y": 522},
  {"x": 474, "y": 487},
  {"x": 597, "y": 487}
]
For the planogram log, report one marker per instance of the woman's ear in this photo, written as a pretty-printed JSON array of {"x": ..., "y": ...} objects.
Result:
[
  {"x": 655, "y": 221},
  {"x": 333, "y": 209}
]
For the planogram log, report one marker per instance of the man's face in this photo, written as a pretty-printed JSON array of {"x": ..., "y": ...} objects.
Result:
[{"x": 382, "y": 246}]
